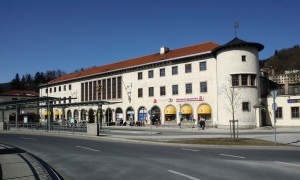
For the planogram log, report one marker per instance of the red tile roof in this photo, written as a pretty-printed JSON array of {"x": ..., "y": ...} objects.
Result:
[
  {"x": 20, "y": 93},
  {"x": 186, "y": 51}
]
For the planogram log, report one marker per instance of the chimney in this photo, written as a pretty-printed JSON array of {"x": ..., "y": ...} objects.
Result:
[
  {"x": 286, "y": 86},
  {"x": 164, "y": 50}
]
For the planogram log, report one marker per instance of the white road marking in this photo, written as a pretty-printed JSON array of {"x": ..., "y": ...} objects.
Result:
[
  {"x": 29, "y": 138},
  {"x": 189, "y": 149},
  {"x": 290, "y": 164},
  {"x": 88, "y": 148},
  {"x": 241, "y": 157},
  {"x": 184, "y": 175}
]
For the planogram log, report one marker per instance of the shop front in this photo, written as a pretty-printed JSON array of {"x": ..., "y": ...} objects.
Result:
[
  {"x": 170, "y": 115},
  {"x": 155, "y": 116},
  {"x": 187, "y": 117},
  {"x": 204, "y": 113}
]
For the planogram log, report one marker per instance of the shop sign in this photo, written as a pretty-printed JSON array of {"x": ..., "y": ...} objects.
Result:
[
  {"x": 200, "y": 98},
  {"x": 293, "y": 100}
]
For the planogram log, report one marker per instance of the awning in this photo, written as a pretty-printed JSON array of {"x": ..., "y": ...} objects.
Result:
[
  {"x": 204, "y": 109},
  {"x": 170, "y": 110},
  {"x": 186, "y": 109},
  {"x": 57, "y": 112},
  {"x": 45, "y": 113}
]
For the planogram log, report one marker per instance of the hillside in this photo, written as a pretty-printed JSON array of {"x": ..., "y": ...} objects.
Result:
[{"x": 285, "y": 59}]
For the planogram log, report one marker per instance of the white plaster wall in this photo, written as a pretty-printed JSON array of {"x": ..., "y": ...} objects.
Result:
[{"x": 282, "y": 101}]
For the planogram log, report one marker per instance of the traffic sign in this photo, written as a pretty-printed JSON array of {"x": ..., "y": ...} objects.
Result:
[
  {"x": 274, "y": 106},
  {"x": 274, "y": 93}
]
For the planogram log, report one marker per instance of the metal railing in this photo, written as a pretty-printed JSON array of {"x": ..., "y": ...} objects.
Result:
[{"x": 44, "y": 127}]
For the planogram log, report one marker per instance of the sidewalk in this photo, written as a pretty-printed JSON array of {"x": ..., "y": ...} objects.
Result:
[
  {"x": 18, "y": 164},
  {"x": 285, "y": 135}
]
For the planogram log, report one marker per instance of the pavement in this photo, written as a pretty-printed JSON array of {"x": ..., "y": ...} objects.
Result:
[{"x": 17, "y": 164}]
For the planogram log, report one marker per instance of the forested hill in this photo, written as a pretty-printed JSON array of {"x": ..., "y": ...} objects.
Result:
[{"x": 285, "y": 59}]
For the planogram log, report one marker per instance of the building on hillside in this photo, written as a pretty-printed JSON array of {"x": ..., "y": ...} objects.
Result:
[
  {"x": 291, "y": 76},
  {"x": 169, "y": 87},
  {"x": 9, "y": 114}
]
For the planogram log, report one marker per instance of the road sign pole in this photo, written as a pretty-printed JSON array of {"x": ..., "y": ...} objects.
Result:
[
  {"x": 274, "y": 106},
  {"x": 274, "y": 109}
]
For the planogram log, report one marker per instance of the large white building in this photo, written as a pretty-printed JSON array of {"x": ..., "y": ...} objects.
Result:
[{"x": 169, "y": 87}]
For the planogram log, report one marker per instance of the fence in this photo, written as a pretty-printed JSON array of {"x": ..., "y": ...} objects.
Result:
[{"x": 44, "y": 127}]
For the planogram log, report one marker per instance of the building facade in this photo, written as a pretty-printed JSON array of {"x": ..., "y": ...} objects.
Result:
[
  {"x": 216, "y": 83},
  {"x": 10, "y": 114}
]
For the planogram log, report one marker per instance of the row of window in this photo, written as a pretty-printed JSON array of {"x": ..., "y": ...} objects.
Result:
[
  {"x": 110, "y": 88},
  {"x": 59, "y": 89},
  {"x": 162, "y": 71},
  {"x": 243, "y": 79},
  {"x": 162, "y": 89},
  {"x": 294, "y": 112}
]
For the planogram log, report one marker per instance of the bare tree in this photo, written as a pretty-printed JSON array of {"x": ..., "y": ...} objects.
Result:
[{"x": 231, "y": 93}]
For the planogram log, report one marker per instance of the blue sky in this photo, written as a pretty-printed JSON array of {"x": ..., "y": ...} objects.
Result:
[{"x": 41, "y": 35}]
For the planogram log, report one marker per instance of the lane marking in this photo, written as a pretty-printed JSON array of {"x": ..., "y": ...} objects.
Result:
[
  {"x": 184, "y": 175},
  {"x": 190, "y": 149},
  {"x": 29, "y": 138},
  {"x": 290, "y": 164},
  {"x": 88, "y": 148},
  {"x": 241, "y": 157}
]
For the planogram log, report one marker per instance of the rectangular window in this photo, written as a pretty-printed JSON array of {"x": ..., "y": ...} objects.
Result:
[
  {"x": 162, "y": 72},
  {"x": 244, "y": 80},
  {"x": 140, "y": 92},
  {"x": 119, "y": 84},
  {"x": 59, "y": 88},
  {"x": 114, "y": 88},
  {"x": 103, "y": 88},
  {"x": 243, "y": 58},
  {"x": 188, "y": 68},
  {"x": 140, "y": 75},
  {"x": 295, "y": 112},
  {"x": 253, "y": 78},
  {"x": 90, "y": 91},
  {"x": 202, "y": 66},
  {"x": 151, "y": 91},
  {"x": 235, "y": 80},
  {"x": 174, "y": 70},
  {"x": 86, "y": 92},
  {"x": 150, "y": 74},
  {"x": 46, "y": 90},
  {"x": 188, "y": 88},
  {"x": 70, "y": 86},
  {"x": 108, "y": 88},
  {"x": 175, "y": 89},
  {"x": 163, "y": 90},
  {"x": 203, "y": 86},
  {"x": 246, "y": 106},
  {"x": 50, "y": 90},
  {"x": 99, "y": 89},
  {"x": 65, "y": 88},
  {"x": 94, "y": 90},
  {"x": 82, "y": 92},
  {"x": 54, "y": 89},
  {"x": 278, "y": 112}
]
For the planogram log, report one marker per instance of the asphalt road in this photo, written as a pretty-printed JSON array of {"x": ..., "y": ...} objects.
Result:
[{"x": 90, "y": 158}]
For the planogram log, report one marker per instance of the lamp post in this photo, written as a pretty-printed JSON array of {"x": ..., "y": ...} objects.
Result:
[{"x": 48, "y": 109}]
